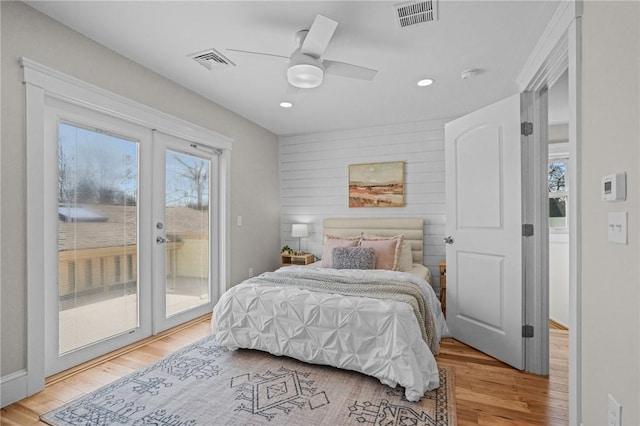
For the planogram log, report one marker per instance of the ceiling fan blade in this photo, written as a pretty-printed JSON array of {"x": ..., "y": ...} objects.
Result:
[
  {"x": 349, "y": 70},
  {"x": 258, "y": 53},
  {"x": 319, "y": 36}
]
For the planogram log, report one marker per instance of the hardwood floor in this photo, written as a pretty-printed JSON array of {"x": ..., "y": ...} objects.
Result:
[
  {"x": 62, "y": 388},
  {"x": 488, "y": 392}
]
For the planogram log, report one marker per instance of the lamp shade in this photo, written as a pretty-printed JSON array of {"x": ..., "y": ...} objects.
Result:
[{"x": 299, "y": 230}]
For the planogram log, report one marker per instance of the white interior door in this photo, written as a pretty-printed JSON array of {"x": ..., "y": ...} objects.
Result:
[
  {"x": 185, "y": 231},
  {"x": 484, "y": 217}
]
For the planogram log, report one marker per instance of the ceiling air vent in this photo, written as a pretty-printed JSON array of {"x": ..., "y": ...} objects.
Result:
[
  {"x": 211, "y": 59},
  {"x": 414, "y": 12}
]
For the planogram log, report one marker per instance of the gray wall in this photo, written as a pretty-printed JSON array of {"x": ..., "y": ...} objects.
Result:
[
  {"x": 254, "y": 166},
  {"x": 610, "y": 272},
  {"x": 314, "y": 180}
]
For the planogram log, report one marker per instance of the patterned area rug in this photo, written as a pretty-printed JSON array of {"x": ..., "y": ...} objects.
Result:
[{"x": 204, "y": 384}]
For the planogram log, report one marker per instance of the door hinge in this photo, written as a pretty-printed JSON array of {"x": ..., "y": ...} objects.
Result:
[
  {"x": 527, "y": 330},
  {"x": 527, "y": 230},
  {"x": 526, "y": 128}
]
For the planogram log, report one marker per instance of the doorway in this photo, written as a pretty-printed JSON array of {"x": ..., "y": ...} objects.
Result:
[
  {"x": 135, "y": 236},
  {"x": 559, "y": 164}
]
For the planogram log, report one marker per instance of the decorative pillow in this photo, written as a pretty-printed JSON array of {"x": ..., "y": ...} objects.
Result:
[
  {"x": 405, "y": 258},
  {"x": 331, "y": 242},
  {"x": 353, "y": 258},
  {"x": 387, "y": 250}
]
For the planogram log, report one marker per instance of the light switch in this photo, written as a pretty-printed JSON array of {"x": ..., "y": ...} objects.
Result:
[
  {"x": 617, "y": 227},
  {"x": 239, "y": 220}
]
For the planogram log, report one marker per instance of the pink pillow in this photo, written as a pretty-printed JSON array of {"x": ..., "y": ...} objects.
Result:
[
  {"x": 387, "y": 251},
  {"x": 331, "y": 242},
  {"x": 404, "y": 262}
]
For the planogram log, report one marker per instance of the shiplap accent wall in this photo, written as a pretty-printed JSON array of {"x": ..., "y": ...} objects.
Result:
[{"x": 314, "y": 175}]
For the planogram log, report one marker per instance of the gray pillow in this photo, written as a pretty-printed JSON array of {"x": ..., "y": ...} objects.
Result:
[{"x": 353, "y": 258}]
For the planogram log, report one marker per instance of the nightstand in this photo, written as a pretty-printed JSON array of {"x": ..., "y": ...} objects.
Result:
[
  {"x": 443, "y": 287},
  {"x": 296, "y": 259}
]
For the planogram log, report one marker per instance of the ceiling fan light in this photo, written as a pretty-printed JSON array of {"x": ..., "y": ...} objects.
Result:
[{"x": 305, "y": 76}]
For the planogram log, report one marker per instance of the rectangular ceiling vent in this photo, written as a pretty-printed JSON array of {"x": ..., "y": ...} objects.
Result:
[
  {"x": 212, "y": 59},
  {"x": 416, "y": 12}
]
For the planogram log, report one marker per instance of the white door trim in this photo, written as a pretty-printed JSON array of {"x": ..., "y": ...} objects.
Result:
[
  {"x": 559, "y": 48},
  {"x": 42, "y": 82}
]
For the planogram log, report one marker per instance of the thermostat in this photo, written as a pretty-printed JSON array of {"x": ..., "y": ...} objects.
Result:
[{"x": 614, "y": 187}]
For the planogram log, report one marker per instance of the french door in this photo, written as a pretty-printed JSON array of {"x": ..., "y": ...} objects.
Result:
[
  {"x": 184, "y": 229},
  {"x": 131, "y": 233}
]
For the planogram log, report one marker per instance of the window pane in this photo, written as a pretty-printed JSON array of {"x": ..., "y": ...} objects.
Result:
[
  {"x": 558, "y": 212},
  {"x": 187, "y": 232},
  {"x": 97, "y": 236},
  {"x": 557, "y": 172}
]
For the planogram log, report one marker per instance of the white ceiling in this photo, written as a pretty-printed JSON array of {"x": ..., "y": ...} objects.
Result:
[{"x": 496, "y": 37}]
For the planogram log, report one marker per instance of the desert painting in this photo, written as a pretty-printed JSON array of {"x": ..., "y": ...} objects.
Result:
[{"x": 376, "y": 184}]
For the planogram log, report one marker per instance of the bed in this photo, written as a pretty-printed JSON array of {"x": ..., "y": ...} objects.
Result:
[{"x": 380, "y": 322}]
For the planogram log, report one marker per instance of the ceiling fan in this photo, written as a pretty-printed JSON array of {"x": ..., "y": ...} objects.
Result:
[{"x": 307, "y": 67}]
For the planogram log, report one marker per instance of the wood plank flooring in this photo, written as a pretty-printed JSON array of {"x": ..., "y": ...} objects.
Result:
[{"x": 488, "y": 392}]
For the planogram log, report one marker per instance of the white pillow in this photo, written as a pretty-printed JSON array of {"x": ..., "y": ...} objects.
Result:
[{"x": 405, "y": 259}]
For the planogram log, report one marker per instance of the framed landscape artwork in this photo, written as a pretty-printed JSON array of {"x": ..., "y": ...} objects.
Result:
[{"x": 376, "y": 184}]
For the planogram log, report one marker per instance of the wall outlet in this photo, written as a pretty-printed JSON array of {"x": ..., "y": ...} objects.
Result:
[
  {"x": 251, "y": 272},
  {"x": 614, "y": 413}
]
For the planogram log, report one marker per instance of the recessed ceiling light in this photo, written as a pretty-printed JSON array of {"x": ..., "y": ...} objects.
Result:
[
  {"x": 425, "y": 82},
  {"x": 286, "y": 104}
]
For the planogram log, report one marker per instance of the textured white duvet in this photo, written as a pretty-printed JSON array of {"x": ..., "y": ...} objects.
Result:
[{"x": 380, "y": 338}]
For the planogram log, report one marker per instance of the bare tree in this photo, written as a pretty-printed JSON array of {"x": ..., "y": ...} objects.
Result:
[
  {"x": 197, "y": 174},
  {"x": 556, "y": 177},
  {"x": 65, "y": 181}
]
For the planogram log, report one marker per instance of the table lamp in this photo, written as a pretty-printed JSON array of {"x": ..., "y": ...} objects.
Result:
[{"x": 299, "y": 230}]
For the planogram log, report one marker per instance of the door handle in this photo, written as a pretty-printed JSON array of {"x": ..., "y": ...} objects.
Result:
[
  {"x": 448, "y": 240},
  {"x": 161, "y": 240}
]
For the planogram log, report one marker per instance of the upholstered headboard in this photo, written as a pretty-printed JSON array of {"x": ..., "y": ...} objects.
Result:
[{"x": 412, "y": 228}]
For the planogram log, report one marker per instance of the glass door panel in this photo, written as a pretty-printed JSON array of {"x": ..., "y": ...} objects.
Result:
[
  {"x": 129, "y": 234},
  {"x": 185, "y": 238},
  {"x": 187, "y": 222},
  {"x": 98, "y": 264}
]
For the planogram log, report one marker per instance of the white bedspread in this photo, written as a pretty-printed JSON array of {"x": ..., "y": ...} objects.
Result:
[{"x": 380, "y": 338}]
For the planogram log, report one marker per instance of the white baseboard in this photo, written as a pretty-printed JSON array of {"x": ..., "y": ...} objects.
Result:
[{"x": 13, "y": 387}]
